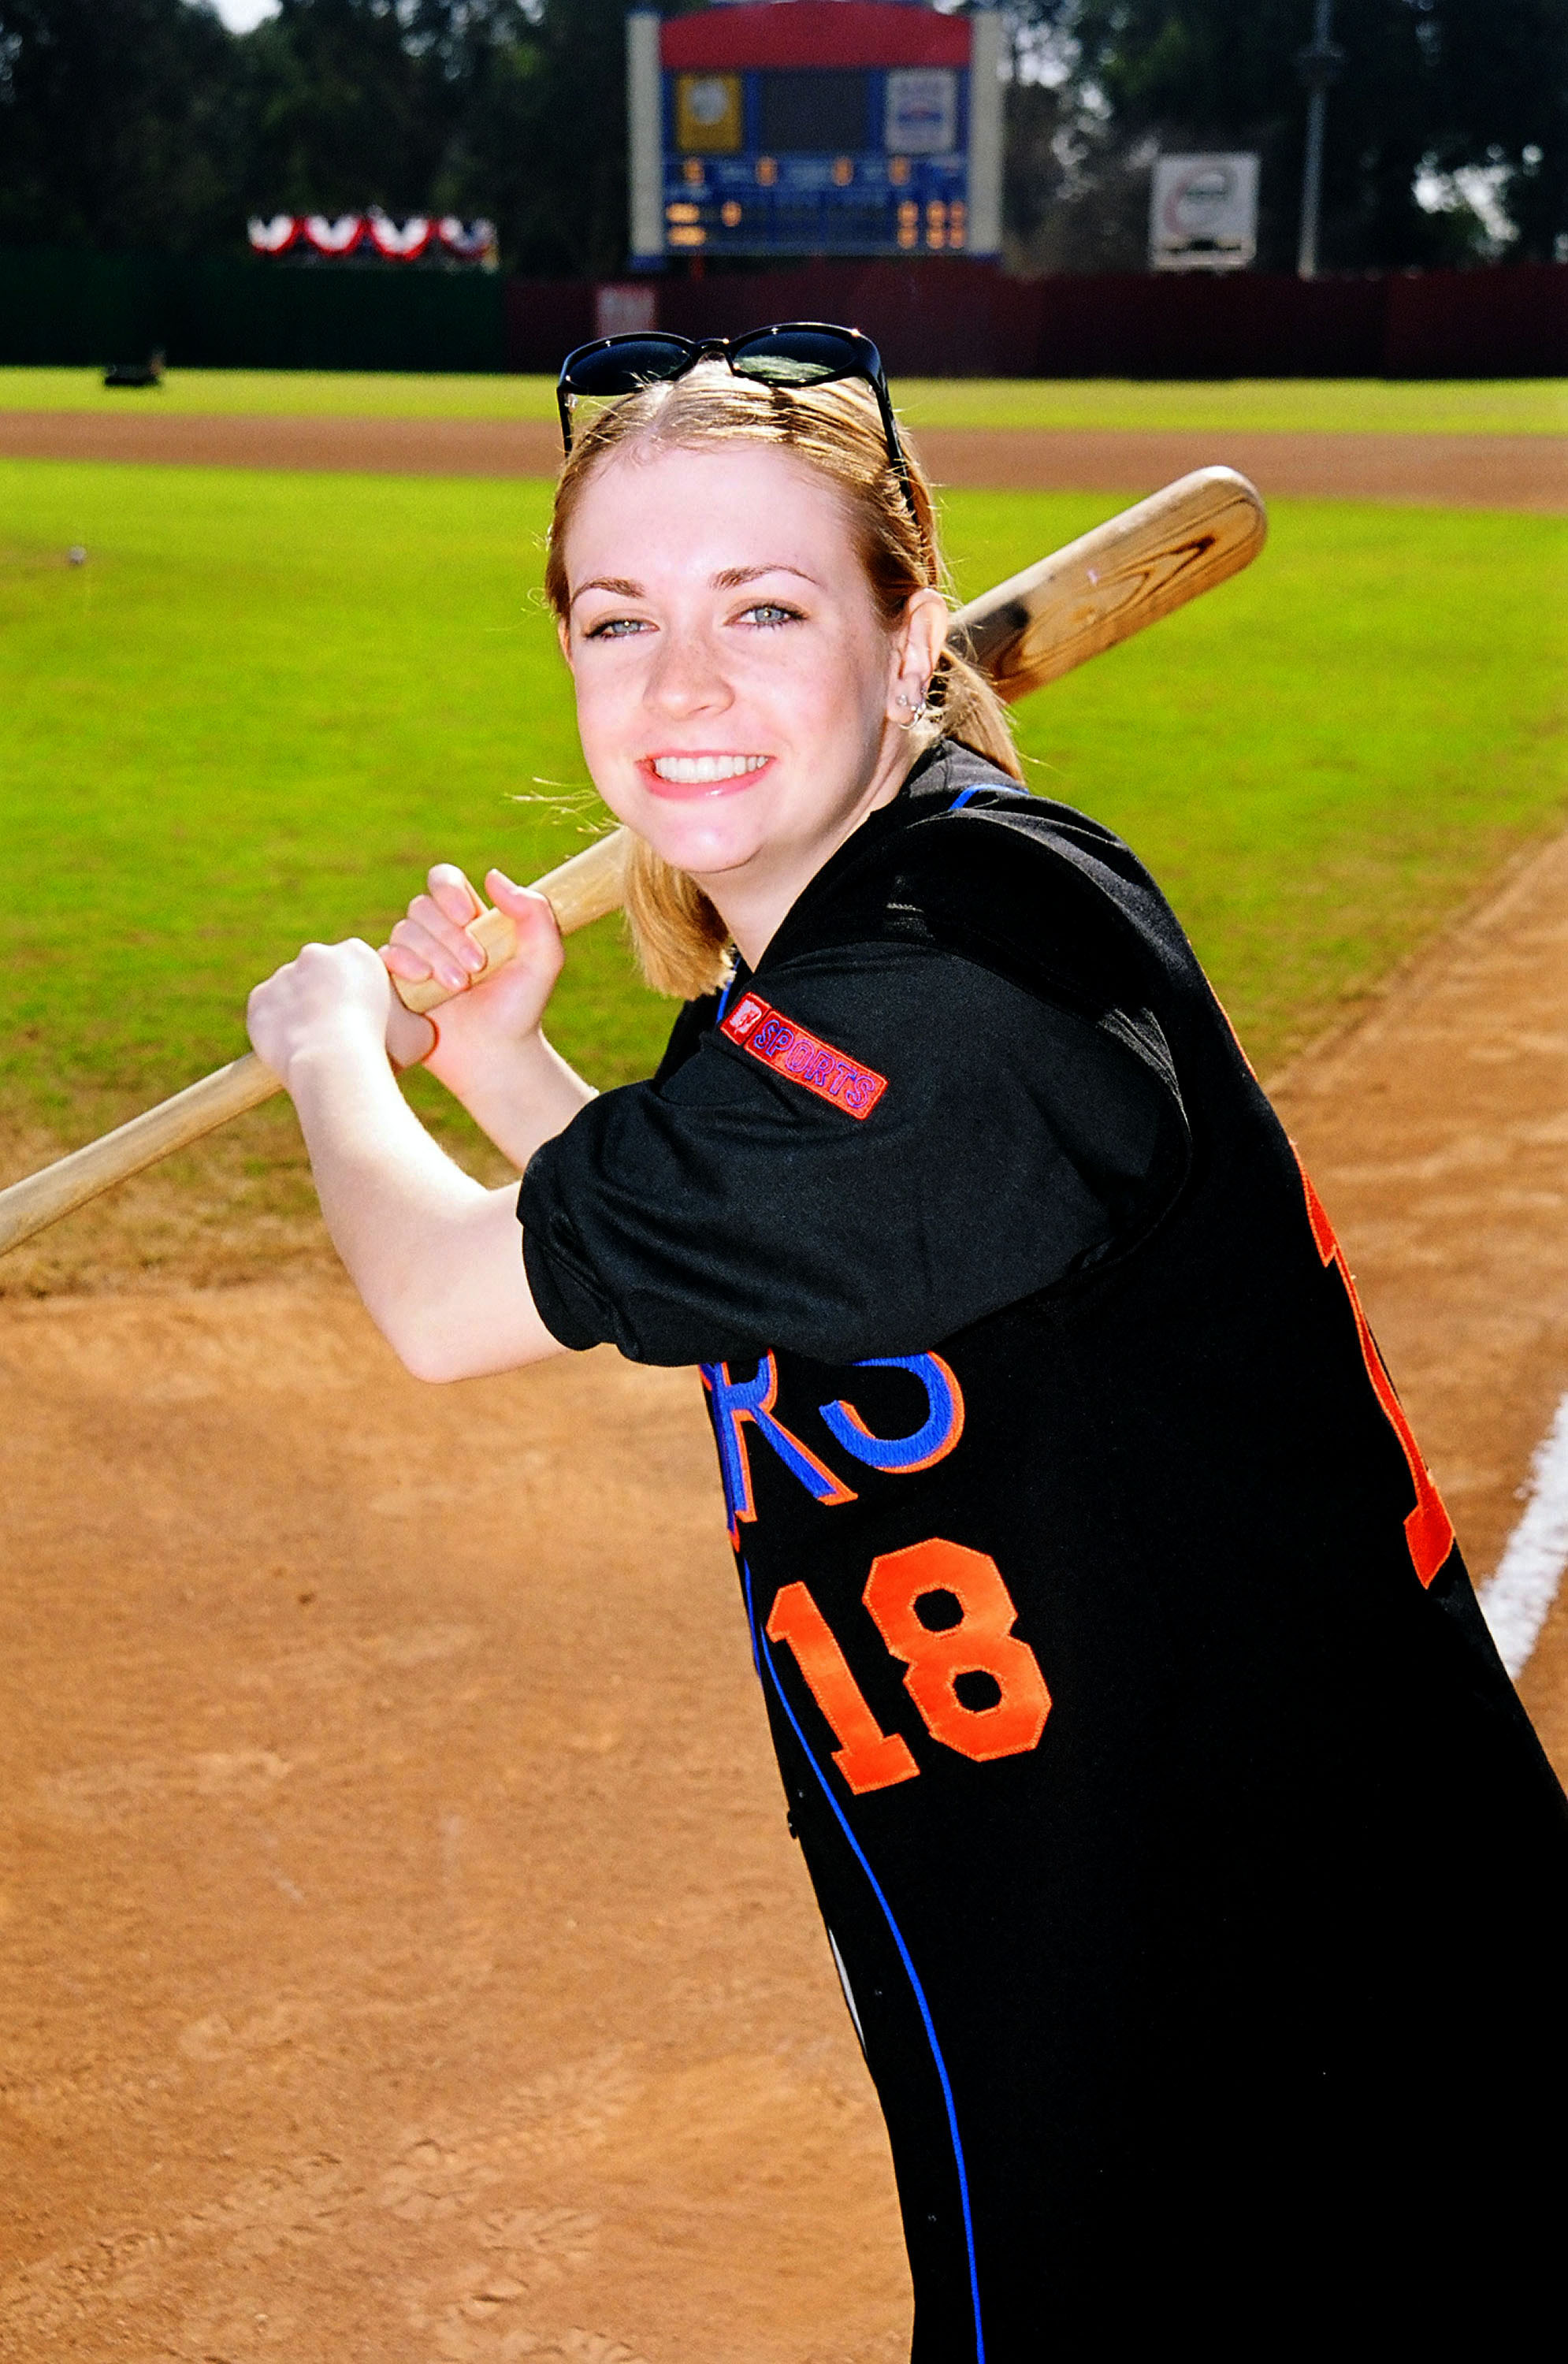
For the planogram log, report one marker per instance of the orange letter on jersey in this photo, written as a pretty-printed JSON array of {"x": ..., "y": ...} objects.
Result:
[
  {"x": 869, "y": 1758},
  {"x": 981, "y": 1642},
  {"x": 1428, "y": 1531}
]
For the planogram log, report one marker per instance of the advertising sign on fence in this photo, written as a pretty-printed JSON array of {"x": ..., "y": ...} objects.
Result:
[{"x": 1203, "y": 213}]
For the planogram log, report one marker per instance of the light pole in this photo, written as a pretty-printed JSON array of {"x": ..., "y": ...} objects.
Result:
[{"x": 1319, "y": 65}]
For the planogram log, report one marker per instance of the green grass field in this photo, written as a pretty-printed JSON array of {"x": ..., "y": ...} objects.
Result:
[
  {"x": 267, "y": 702},
  {"x": 1335, "y": 405}
]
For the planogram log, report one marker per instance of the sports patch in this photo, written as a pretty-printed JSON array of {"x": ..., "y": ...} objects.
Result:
[{"x": 804, "y": 1057}]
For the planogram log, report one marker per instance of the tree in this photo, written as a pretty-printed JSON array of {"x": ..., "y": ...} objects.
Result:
[
  {"x": 1440, "y": 84},
  {"x": 1075, "y": 189},
  {"x": 543, "y": 145},
  {"x": 144, "y": 123},
  {"x": 352, "y": 103},
  {"x": 340, "y": 114},
  {"x": 118, "y": 124}
]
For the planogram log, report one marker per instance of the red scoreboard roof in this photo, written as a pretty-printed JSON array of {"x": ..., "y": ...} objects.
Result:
[{"x": 813, "y": 33}]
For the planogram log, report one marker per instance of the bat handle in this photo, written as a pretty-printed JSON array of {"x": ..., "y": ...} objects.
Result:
[{"x": 580, "y": 891}]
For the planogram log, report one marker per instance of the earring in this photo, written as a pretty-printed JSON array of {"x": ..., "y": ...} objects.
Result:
[{"x": 902, "y": 699}]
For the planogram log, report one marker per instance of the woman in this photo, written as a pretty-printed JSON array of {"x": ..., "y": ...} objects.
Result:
[{"x": 1168, "y": 1806}]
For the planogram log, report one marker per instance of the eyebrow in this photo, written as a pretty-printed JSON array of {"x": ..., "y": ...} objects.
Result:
[
  {"x": 729, "y": 578},
  {"x": 620, "y": 585}
]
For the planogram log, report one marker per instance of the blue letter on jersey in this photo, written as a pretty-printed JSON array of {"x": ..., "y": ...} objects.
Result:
[
  {"x": 937, "y": 1435},
  {"x": 735, "y": 1401}
]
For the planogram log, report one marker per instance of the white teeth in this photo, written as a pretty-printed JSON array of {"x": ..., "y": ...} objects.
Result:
[{"x": 695, "y": 771}]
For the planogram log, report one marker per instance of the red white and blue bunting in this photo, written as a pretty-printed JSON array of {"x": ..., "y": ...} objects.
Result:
[{"x": 375, "y": 233}]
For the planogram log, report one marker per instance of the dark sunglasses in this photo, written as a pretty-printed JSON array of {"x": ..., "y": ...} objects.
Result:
[{"x": 795, "y": 353}]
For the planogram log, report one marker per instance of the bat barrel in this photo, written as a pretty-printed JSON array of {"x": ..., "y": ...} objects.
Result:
[{"x": 1114, "y": 582}]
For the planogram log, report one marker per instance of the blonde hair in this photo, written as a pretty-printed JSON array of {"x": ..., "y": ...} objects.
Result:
[{"x": 681, "y": 944}]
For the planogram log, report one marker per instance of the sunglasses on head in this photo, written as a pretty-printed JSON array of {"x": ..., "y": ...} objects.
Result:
[{"x": 793, "y": 354}]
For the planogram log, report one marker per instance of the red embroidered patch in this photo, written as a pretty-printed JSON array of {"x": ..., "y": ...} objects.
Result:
[{"x": 805, "y": 1058}]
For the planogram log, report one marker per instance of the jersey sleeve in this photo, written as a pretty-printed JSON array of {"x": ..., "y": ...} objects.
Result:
[{"x": 727, "y": 1207}]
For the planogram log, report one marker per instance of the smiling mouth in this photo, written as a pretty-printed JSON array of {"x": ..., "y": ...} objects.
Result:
[{"x": 704, "y": 770}]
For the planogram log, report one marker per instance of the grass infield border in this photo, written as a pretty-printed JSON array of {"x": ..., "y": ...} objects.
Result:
[{"x": 1285, "y": 406}]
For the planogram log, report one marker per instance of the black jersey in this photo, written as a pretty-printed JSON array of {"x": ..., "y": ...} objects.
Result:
[{"x": 1171, "y": 1817}]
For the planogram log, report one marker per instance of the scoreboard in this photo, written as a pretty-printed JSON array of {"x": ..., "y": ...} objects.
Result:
[{"x": 814, "y": 127}]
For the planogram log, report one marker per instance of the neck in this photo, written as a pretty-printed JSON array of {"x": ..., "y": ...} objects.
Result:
[{"x": 754, "y": 899}]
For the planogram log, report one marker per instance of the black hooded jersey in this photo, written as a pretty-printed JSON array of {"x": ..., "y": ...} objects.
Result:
[{"x": 1175, "y": 1826}]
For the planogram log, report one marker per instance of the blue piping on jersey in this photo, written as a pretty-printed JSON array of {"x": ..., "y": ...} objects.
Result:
[
  {"x": 963, "y": 798},
  {"x": 762, "y": 1656},
  {"x": 729, "y": 988}
]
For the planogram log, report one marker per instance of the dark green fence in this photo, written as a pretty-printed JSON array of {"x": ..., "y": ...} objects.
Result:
[
  {"x": 65, "y": 307},
  {"x": 936, "y": 316}
]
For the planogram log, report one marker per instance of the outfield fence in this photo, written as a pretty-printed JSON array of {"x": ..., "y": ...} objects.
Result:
[
  {"x": 941, "y": 318},
  {"x": 212, "y": 312},
  {"x": 935, "y": 317}
]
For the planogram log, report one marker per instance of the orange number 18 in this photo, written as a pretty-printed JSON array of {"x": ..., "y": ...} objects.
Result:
[{"x": 979, "y": 1644}]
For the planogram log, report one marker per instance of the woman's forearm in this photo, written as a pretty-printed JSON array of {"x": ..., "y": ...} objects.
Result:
[
  {"x": 520, "y": 1097},
  {"x": 437, "y": 1258},
  {"x": 488, "y": 1051}
]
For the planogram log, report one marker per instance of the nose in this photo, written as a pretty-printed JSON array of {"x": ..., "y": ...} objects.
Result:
[{"x": 687, "y": 675}]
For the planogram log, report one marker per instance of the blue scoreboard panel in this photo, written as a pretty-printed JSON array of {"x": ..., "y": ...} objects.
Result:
[{"x": 814, "y": 127}]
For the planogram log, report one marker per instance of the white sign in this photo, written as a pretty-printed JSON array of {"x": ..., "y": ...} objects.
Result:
[
  {"x": 1203, "y": 213},
  {"x": 922, "y": 111}
]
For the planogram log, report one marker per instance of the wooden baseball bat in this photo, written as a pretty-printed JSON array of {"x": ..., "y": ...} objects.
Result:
[{"x": 1032, "y": 629}]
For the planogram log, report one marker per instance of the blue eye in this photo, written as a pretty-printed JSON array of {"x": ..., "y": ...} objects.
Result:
[
  {"x": 615, "y": 628},
  {"x": 768, "y": 612}
]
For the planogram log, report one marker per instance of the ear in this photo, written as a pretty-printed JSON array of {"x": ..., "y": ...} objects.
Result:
[
  {"x": 563, "y": 639},
  {"x": 918, "y": 640}
]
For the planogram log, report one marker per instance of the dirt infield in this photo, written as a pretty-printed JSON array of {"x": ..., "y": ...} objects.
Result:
[
  {"x": 1437, "y": 1132},
  {"x": 406, "y": 1961},
  {"x": 1524, "y": 472}
]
